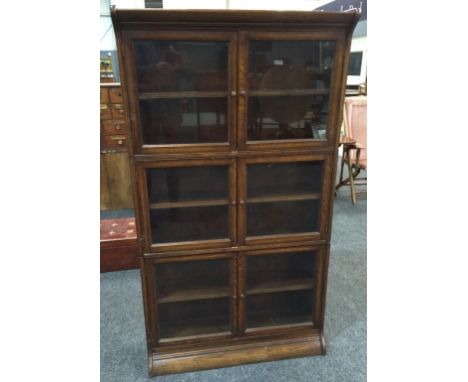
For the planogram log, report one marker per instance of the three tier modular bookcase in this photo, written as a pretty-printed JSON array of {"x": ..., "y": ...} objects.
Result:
[{"x": 234, "y": 119}]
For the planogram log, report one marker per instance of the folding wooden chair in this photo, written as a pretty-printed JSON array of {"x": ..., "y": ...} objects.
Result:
[{"x": 354, "y": 143}]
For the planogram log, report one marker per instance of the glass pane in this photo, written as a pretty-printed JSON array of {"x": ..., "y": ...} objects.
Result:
[
  {"x": 188, "y": 203},
  {"x": 183, "y": 120},
  {"x": 283, "y": 197},
  {"x": 280, "y": 272},
  {"x": 282, "y": 217},
  {"x": 187, "y": 183},
  {"x": 276, "y": 309},
  {"x": 287, "y": 117},
  {"x": 192, "y": 280},
  {"x": 193, "y": 297},
  {"x": 177, "y": 66},
  {"x": 281, "y": 65},
  {"x": 284, "y": 178},
  {"x": 190, "y": 318},
  {"x": 288, "y": 93}
]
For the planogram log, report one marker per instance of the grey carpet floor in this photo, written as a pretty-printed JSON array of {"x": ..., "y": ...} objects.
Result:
[{"x": 123, "y": 348}]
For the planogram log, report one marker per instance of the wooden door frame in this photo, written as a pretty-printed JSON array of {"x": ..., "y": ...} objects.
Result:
[
  {"x": 324, "y": 213},
  {"x": 150, "y": 297},
  {"x": 315, "y": 34},
  {"x": 144, "y": 208},
  {"x": 321, "y": 265},
  {"x": 128, "y": 36}
]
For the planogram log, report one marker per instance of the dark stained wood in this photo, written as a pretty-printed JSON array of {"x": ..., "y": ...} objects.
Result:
[
  {"x": 204, "y": 94},
  {"x": 292, "y": 92},
  {"x": 104, "y": 95},
  {"x": 222, "y": 356},
  {"x": 115, "y": 142},
  {"x": 119, "y": 180},
  {"x": 119, "y": 255},
  {"x": 114, "y": 127},
  {"x": 210, "y": 341},
  {"x": 282, "y": 198},
  {"x": 132, "y": 87},
  {"x": 282, "y": 286},
  {"x": 241, "y": 17},
  {"x": 191, "y": 203},
  {"x": 194, "y": 294},
  {"x": 106, "y": 202},
  {"x": 115, "y": 95}
]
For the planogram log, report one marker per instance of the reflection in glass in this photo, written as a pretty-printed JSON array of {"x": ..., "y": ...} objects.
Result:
[
  {"x": 281, "y": 65},
  {"x": 170, "y": 225},
  {"x": 192, "y": 280},
  {"x": 289, "y": 84},
  {"x": 283, "y": 198},
  {"x": 287, "y": 117},
  {"x": 284, "y": 178},
  {"x": 277, "y": 309},
  {"x": 176, "y": 66},
  {"x": 176, "y": 184},
  {"x": 184, "y": 120},
  {"x": 191, "y": 318},
  {"x": 276, "y": 271},
  {"x": 282, "y": 217},
  {"x": 188, "y": 203}
]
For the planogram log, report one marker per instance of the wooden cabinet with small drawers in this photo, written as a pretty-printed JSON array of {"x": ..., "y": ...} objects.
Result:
[
  {"x": 115, "y": 177},
  {"x": 113, "y": 118}
]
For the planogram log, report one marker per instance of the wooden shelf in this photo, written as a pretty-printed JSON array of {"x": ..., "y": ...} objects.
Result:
[
  {"x": 290, "y": 321},
  {"x": 181, "y": 331},
  {"x": 283, "y": 198},
  {"x": 167, "y": 95},
  {"x": 189, "y": 203},
  {"x": 291, "y": 92},
  {"x": 194, "y": 294},
  {"x": 281, "y": 286}
]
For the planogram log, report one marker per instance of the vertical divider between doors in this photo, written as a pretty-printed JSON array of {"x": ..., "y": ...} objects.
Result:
[
  {"x": 242, "y": 87},
  {"x": 234, "y": 309},
  {"x": 233, "y": 218},
  {"x": 232, "y": 90},
  {"x": 241, "y": 202},
  {"x": 241, "y": 293}
]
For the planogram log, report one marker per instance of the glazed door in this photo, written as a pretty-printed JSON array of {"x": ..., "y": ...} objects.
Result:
[
  {"x": 283, "y": 199},
  {"x": 287, "y": 84},
  {"x": 279, "y": 289},
  {"x": 193, "y": 298},
  {"x": 184, "y": 82},
  {"x": 187, "y": 204}
]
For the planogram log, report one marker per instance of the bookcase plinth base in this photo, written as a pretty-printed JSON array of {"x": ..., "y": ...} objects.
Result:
[{"x": 225, "y": 356}]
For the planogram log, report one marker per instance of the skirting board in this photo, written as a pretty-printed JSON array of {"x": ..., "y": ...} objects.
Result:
[{"x": 232, "y": 355}]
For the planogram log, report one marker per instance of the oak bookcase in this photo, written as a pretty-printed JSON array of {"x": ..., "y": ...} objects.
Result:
[{"x": 234, "y": 123}]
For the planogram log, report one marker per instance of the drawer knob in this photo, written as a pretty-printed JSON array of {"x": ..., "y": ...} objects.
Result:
[{"x": 119, "y": 141}]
